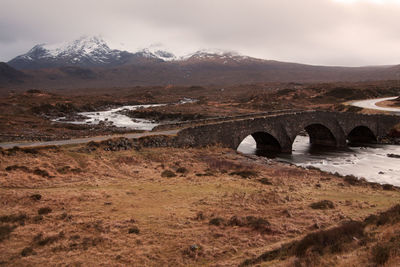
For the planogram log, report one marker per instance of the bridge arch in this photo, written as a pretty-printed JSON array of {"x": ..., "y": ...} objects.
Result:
[
  {"x": 320, "y": 135},
  {"x": 361, "y": 134},
  {"x": 321, "y": 131},
  {"x": 266, "y": 141}
]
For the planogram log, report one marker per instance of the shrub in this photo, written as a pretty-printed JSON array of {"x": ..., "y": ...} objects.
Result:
[
  {"x": 67, "y": 169},
  {"x": 221, "y": 164},
  {"x": 236, "y": 221},
  {"x": 13, "y": 218},
  {"x": 265, "y": 181},
  {"x": 332, "y": 238},
  {"x": 134, "y": 230},
  {"x": 27, "y": 251},
  {"x": 44, "y": 211},
  {"x": 217, "y": 221},
  {"x": 380, "y": 254},
  {"x": 259, "y": 224},
  {"x": 279, "y": 253},
  {"x": 36, "y": 197},
  {"x": 200, "y": 216},
  {"x": 37, "y": 218},
  {"x": 5, "y": 231},
  {"x": 193, "y": 251},
  {"x": 43, "y": 241},
  {"x": 41, "y": 172},
  {"x": 245, "y": 174},
  {"x": 323, "y": 205},
  {"x": 34, "y": 91},
  {"x": 168, "y": 174},
  {"x": 17, "y": 167},
  {"x": 256, "y": 223},
  {"x": 352, "y": 180},
  {"x": 387, "y": 187},
  {"x": 390, "y": 216},
  {"x": 65, "y": 216},
  {"x": 182, "y": 170},
  {"x": 207, "y": 173},
  {"x": 30, "y": 150}
]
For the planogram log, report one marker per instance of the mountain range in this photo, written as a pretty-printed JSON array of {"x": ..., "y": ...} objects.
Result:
[{"x": 90, "y": 62}]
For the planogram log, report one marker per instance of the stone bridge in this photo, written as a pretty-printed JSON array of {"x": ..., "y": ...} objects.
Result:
[{"x": 277, "y": 132}]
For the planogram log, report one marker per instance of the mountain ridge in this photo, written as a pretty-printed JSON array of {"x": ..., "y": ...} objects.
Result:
[
  {"x": 90, "y": 62},
  {"x": 83, "y": 52}
]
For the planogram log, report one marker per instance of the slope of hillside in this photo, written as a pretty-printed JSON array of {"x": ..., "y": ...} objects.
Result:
[
  {"x": 9, "y": 74},
  {"x": 206, "y": 72}
]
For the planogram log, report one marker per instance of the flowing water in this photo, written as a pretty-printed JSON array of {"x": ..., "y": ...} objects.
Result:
[
  {"x": 371, "y": 162},
  {"x": 115, "y": 118}
]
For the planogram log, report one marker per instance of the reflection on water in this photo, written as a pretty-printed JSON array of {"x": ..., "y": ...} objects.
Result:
[{"x": 370, "y": 162}]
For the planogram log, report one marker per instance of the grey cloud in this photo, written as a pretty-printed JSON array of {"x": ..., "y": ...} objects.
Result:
[{"x": 310, "y": 31}]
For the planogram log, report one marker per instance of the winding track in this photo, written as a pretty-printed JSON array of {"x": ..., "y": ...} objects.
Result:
[{"x": 370, "y": 104}]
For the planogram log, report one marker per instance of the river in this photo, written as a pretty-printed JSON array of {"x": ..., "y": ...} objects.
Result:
[
  {"x": 370, "y": 162},
  {"x": 114, "y": 117}
]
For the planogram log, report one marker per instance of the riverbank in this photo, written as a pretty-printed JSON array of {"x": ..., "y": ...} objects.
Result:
[{"x": 158, "y": 206}]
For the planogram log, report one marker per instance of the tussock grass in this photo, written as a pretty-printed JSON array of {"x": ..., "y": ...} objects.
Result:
[
  {"x": 13, "y": 218},
  {"x": 168, "y": 174},
  {"x": 322, "y": 205},
  {"x": 44, "y": 210},
  {"x": 5, "y": 231}
]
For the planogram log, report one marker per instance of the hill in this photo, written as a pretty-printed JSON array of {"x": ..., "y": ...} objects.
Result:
[
  {"x": 10, "y": 75},
  {"x": 90, "y": 62}
]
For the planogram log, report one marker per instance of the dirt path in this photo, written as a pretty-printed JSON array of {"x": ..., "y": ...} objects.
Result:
[{"x": 84, "y": 140}]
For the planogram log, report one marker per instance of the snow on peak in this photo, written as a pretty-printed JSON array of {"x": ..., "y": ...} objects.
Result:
[
  {"x": 85, "y": 45},
  {"x": 93, "y": 51},
  {"x": 152, "y": 52},
  {"x": 205, "y": 54}
]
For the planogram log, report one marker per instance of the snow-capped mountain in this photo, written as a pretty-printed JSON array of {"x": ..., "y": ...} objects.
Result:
[
  {"x": 217, "y": 56},
  {"x": 90, "y": 62},
  {"x": 206, "y": 54},
  {"x": 93, "y": 51},
  {"x": 84, "y": 52}
]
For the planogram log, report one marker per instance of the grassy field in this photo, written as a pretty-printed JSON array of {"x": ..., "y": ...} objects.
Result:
[{"x": 172, "y": 207}]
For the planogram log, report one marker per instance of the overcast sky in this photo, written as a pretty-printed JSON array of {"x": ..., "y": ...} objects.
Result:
[{"x": 324, "y": 32}]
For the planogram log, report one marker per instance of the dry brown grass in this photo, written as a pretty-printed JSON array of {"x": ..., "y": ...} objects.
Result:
[{"x": 119, "y": 210}]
